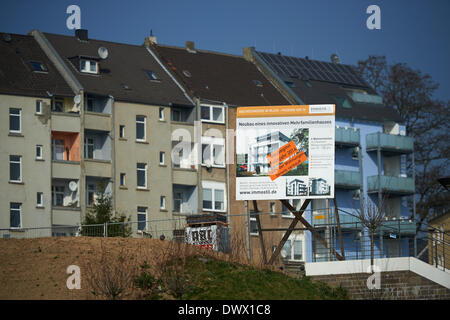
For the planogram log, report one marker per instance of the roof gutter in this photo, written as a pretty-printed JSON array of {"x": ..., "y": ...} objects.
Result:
[
  {"x": 274, "y": 75},
  {"x": 58, "y": 62},
  {"x": 170, "y": 75}
]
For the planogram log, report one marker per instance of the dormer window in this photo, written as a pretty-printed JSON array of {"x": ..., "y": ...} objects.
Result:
[
  {"x": 151, "y": 75},
  {"x": 38, "y": 66},
  {"x": 89, "y": 66}
]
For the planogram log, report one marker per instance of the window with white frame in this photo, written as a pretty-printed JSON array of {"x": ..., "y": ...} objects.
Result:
[
  {"x": 15, "y": 168},
  {"x": 161, "y": 114},
  {"x": 141, "y": 175},
  {"x": 122, "y": 179},
  {"x": 285, "y": 212},
  {"x": 15, "y": 214},
  {"x": 142, "y": 218},
  {"x": 162, "y": 158},
  {"x": 293, "y": 248},
  {"x": 57, "y": 149},
  {"x": 39, "y": 106},
  {"x": 58, "y": 195},
  {"x": 88, "y": 66},
  {"x": 213, "y": 196},
  {"x": 15, "y": 120},
  {"x": 141, "y": 128},
  {"x": 272, "y": 208},
  {"x": 121, "y": 131},
  {"x": 39, "y": 152},
  {"x": 162, "y": 202},
  {"x": 253, "y": 224},
  {"x": 39, "y": 199},
  {"x": 213, "y": 151},
  {"x": 212, "y": 113},
  {"x": 89, "y": 145}
]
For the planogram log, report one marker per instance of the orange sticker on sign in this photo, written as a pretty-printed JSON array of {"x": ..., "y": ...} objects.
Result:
[
  {"x": 282, "y": 154},
  {"x": 288, "y": 165}
]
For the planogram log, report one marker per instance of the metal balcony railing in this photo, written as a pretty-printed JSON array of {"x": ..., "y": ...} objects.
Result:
[
  {"x": 391, "y": 185},
  {"x": 389, "y": 142},
  {"x": 347, "y": 136},
  {"x": 347, "y": 179}
]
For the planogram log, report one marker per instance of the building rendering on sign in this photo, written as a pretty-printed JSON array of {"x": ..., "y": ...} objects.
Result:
[{"x": 153, "y": 126}]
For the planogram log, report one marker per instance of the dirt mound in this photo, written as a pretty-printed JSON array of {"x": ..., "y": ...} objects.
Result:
[{"x": 36, "y": 268}]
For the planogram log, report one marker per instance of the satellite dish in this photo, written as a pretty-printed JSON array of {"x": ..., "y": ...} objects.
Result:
[
  {"x": 283, "y": 254},
  {"x": 73, "y": 186},
  {"x": 77, "y": 99},
  {"x": 103, "y": 52}
]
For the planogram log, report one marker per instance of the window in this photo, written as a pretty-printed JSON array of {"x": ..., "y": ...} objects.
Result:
[
  {"x": 89, "y": 66},
  {"x": 213, "y": 196},
  {"x": 15, "y": 168},
  {"x": 162, "y": 202},
  {"x": 293, "y": 248},
  {"x": 140, "y": 128},
  {"x": 213, "y": 151},
  {"x": 272, "y": 207},
  {"x": 39, "y": 151},
  {"x": 258, "y": 83},
  {"x": 89, "y": 147},
  {"x": 90, "y": 194},
  {"x": 253, "y": 224},
  {"x": 176, "y": 115},
  {"x": 38, "y": 66},
  {"x": 142, "y": 218},
  {"x": 290, "y": 84},
  {"x": 343, "y": 102},
  {"x": 58, "y": 196},
  {"x": 162, "y": 157},
  {"x": 39, "y": 199},
  {"x": 177, "y": 201},
  {"x": 90, "y": 104},
  {"x": 308, "y": 84},
  {"x": 122, "y": 179},
  {"x": 355, "y": 153},
  {"x": 15, "y": 215},
  {"x": 121, "y": 131},
  {"x": 142, "y": 175},
  {"x": 161, "y": 114},
  {"x": 39, "y": 106},
  {"x": 57, "y": 149},
  {"x": 151, "y": 75},
  {"x": 15, "y": 116},
  {"x": 58, "y": 105},
  {"x": 212, "y": 114},
  {"x": 285, "y": 211}
]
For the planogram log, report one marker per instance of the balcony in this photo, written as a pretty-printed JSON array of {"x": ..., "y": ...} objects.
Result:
[
  {"x": 66, "y": 169},
  {"x": 348, "y": 222},
  {"x": 185, "y": 176},
  {"x": 398, "y": 226},
  {"x": 389, "y": 143},
  {"x": 391, "y": 185},
  {"x": 347, "y": 136},
  {"x": 206, "y": 219},
  {"x": 344, "y": 179},
  {"x": 185, "y": 199},
  {"x": 98, "y": 168},
  {"x": 66, "y": 216},
  {"x": 97, "y": 121},
  {"x": 69, "y": 122}
]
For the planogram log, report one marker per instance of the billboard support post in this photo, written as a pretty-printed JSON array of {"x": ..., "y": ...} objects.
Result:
[
  {"x": 261, "y": 239},
  {"x": 338, "y": 222}
]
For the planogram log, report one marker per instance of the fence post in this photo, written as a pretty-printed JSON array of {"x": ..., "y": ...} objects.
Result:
[{"x": 105, "y": 229}]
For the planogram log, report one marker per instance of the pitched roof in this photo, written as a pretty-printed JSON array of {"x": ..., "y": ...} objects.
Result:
[
  {"x": 220, "y": 77},
  {"x": 327, "y": 83},
  {"x": 17, "y": 75},
  {"x": 122, "y": 74}
]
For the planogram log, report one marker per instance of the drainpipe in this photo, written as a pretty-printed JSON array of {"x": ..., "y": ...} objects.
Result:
[
  {"x": 361, "y": 193},
  {"x": 227, "y": 168},
  {"x": 113, "y": 152}
]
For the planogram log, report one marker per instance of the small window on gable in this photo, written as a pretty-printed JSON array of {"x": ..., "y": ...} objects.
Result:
[
  {"x": 151, "y": 75},
  {"x": 343, "y": 102},
  {"x": 290, "y": 84},
  {"x": 89, "y": 66},
  {"x": 258, "y": 83},
  {"x": 38, "y": 66}
]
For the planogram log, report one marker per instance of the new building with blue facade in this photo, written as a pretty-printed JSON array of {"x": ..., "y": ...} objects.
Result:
[{"x": 372, "y": 157}]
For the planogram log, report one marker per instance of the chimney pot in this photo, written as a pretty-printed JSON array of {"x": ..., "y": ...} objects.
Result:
[
  {"x": 190, "y": 46},
  {"x": 81, "y": 34}
]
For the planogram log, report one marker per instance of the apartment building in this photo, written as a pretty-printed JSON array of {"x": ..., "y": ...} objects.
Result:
[
  {"x": 36, "y": 143},
  {"x": 372, "y": 152},
  {"x": 218, "y": 83},
  {"x": 126, "y": 102}
]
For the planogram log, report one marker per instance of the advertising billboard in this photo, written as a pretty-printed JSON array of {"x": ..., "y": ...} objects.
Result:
[{"x": 285, "y": 152}]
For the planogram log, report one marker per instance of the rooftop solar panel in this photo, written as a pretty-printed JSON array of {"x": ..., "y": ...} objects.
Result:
[{"x": 312, "y": 69}]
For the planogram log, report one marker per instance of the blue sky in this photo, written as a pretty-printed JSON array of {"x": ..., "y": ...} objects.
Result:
[{"x": 415, "y": 32}]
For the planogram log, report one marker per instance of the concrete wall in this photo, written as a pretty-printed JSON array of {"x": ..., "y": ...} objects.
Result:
[{"x": 36, "y": 174}]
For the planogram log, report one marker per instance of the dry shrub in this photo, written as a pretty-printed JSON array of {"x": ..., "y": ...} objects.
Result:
[{"x": 111, "y": 276}]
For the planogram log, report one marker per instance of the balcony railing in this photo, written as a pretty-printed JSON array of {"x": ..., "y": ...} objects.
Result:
[
  {"x": 347, "y": 221},
  {"x": 391, "y": 185},
  {"x": 347, "y": 179},
  {"x": 389, "y": 142},
  {"x": 347, "y": 136},
  {"x": 398, "y": 226}
]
